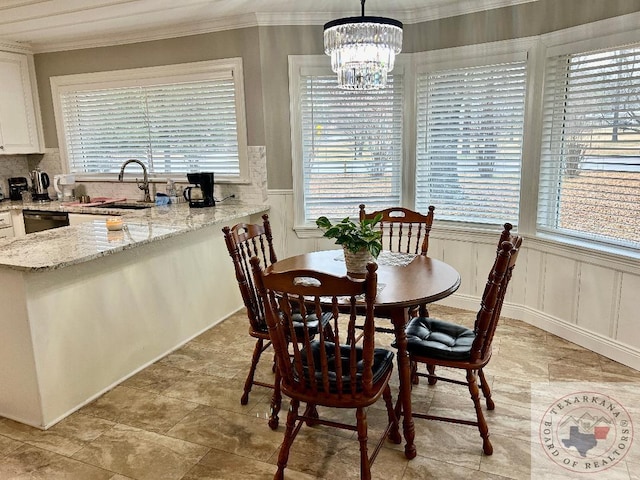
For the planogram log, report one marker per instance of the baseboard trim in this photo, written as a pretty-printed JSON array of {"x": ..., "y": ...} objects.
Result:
[{"x": 607, "y": 347}]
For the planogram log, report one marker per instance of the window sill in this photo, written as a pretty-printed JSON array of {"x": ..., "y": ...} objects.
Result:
[
  {"x": 113, "y": 178},
  {"x": 608, "y": 254},
  {"x": 307, "y": 231}
]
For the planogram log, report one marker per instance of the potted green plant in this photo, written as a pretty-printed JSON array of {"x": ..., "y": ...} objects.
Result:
[{"x": 360, "y": 240}]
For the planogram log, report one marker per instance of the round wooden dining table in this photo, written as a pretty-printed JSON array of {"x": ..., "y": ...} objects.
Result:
[{"x": 403, "y": 281}]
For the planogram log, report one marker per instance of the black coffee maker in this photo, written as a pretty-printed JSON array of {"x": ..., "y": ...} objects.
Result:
[
  {"x": 17, "y": 185},
  {"x": 200, "y": 194}
]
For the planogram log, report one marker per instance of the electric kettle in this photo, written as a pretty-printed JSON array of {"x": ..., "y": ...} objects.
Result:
[{"x": 40, "y": 183}]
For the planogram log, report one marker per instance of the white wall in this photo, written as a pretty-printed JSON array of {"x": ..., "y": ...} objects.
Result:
[{"x": 587, "y": 297}]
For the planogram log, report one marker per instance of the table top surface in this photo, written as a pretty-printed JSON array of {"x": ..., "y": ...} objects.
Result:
[{"x": 407, "y": 282}]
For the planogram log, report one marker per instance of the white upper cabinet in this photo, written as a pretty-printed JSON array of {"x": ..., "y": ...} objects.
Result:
[{"x": 20, "y": 128}]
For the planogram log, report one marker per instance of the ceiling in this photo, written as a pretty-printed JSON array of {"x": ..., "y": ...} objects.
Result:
[{"x": 50, "y": 25}]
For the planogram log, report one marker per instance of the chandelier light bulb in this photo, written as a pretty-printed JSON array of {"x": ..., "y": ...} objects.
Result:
[{"x": 362, "y": 50}]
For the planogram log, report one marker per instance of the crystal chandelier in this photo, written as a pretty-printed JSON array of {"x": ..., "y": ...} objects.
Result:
[{"x": 362, "y": 49}]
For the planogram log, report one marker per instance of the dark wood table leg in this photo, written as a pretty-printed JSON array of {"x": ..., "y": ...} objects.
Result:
[{"x": 399, "y": 320}]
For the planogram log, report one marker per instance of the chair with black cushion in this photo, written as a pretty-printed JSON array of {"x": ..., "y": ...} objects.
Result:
[
  {"x": 403, "y": 231},
  {"x": 440, "y": 343},
  {"x": 335, "y": 372},
  {"x": 243, "y": 242}
]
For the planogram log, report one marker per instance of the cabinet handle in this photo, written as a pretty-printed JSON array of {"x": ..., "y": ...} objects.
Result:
[{"x": 1, "y": 147}]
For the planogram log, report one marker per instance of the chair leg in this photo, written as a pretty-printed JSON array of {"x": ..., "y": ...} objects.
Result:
[
  {"x": 283, "y": 456},
  {"x": 432, "y": 371},
  {"x": 312, "y": 412},
  {"x": 482, "y": 423},
  {"x": 257, "y": 351},
  {"x": 276, "y": 402},
  {"x": 394, "y": 433},
  {"x": 365, "y": 466},
  {"x": 415, "y": 379},
  {"x": 329, "y": 333},
  {"x": 486, "y": 391}
]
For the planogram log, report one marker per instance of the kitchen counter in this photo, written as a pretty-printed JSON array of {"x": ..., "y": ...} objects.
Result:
[
  {"x": 84, "y": 308},
  {"x": 61, "y": 247}
]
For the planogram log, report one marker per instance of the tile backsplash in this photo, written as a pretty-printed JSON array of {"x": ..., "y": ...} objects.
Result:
[
  {"x": 12, "y": 166},
  {"x": 20, "y": 165}
]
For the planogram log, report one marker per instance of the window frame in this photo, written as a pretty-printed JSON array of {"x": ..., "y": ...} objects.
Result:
[
  {"x": 611, "y": 34},
  {"x": 457, "y": 57},
  {"x": 470, "y": 57},
  {"x": 146, "y": 76},
  {"x": 550, "y": 210},
  {"x": 300, "y": 65},
  {"x": 602, "y": 34}
]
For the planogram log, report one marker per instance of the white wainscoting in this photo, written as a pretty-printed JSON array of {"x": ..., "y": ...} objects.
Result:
[
  {"x": 77, "y": 332},
  {"x": 585, "y": 297}
]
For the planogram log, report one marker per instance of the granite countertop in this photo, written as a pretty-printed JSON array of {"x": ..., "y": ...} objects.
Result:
[{"x": 61, "y": 247}]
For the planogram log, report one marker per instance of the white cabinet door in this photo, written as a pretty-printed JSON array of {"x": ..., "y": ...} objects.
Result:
[
  {"x": 19, "y": 128},
  {"x": 5, "y": 219},
  {"x": 18, "y": 223},
  {"x": 6, "y": 227}
]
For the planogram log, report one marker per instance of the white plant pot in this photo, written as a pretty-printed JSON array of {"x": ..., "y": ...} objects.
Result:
[{"x": 357, "y": 262}]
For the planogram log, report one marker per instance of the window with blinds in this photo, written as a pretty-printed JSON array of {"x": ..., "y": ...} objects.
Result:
[
  {"x": 351, "y": 146},
  {"x": 174, "y": 125},
  {"x": 469, "y": 142},
  {"x": 590, "y": 165}
]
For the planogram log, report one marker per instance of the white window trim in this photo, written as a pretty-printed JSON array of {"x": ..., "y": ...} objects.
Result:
[
  {"x": 183, "y": 72},
  {"x": 474, "y": 56},
  {"x": 597, "y": 35},
  {"x": 300, "y": 65}
]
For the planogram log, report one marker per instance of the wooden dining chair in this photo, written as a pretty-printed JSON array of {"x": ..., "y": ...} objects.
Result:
[
  {"x": 333, "y": 372},
  {"x": 403, "y": 231},
  {"x": 440, "y": 343},
  {"x": 243, "y": 242}
]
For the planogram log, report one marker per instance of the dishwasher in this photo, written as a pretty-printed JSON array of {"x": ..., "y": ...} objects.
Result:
[{"x": 39, "y": 220}]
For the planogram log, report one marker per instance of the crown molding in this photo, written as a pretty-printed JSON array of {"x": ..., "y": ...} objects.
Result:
[
  {"x": 7, "y": 4},
  {"x": 444, "y": 9},
  {"x": 436, "y": 11},
  {"x": 174, "y": 31},
  {"x": 441, "y": 9},
  {"x": 15, "y": 47}
]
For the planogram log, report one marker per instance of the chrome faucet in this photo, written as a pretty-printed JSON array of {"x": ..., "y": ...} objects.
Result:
[{"x": 144, "y": 186}]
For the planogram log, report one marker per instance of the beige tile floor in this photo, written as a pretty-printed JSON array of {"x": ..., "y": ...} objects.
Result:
[{"x": 181, "y": 418}]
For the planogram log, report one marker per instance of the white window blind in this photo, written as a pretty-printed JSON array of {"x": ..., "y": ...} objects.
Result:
[
  {"x": 469, "y": 142},
  {"x": 590, "y": 166},
  {"x": 174, "y": 127},
  {"x": 351, "y": 146}
]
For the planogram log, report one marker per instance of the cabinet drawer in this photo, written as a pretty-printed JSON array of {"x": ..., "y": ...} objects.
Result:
[
  {"x": 6, "y": 232},
  {"x": 5, "y": 219}
]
